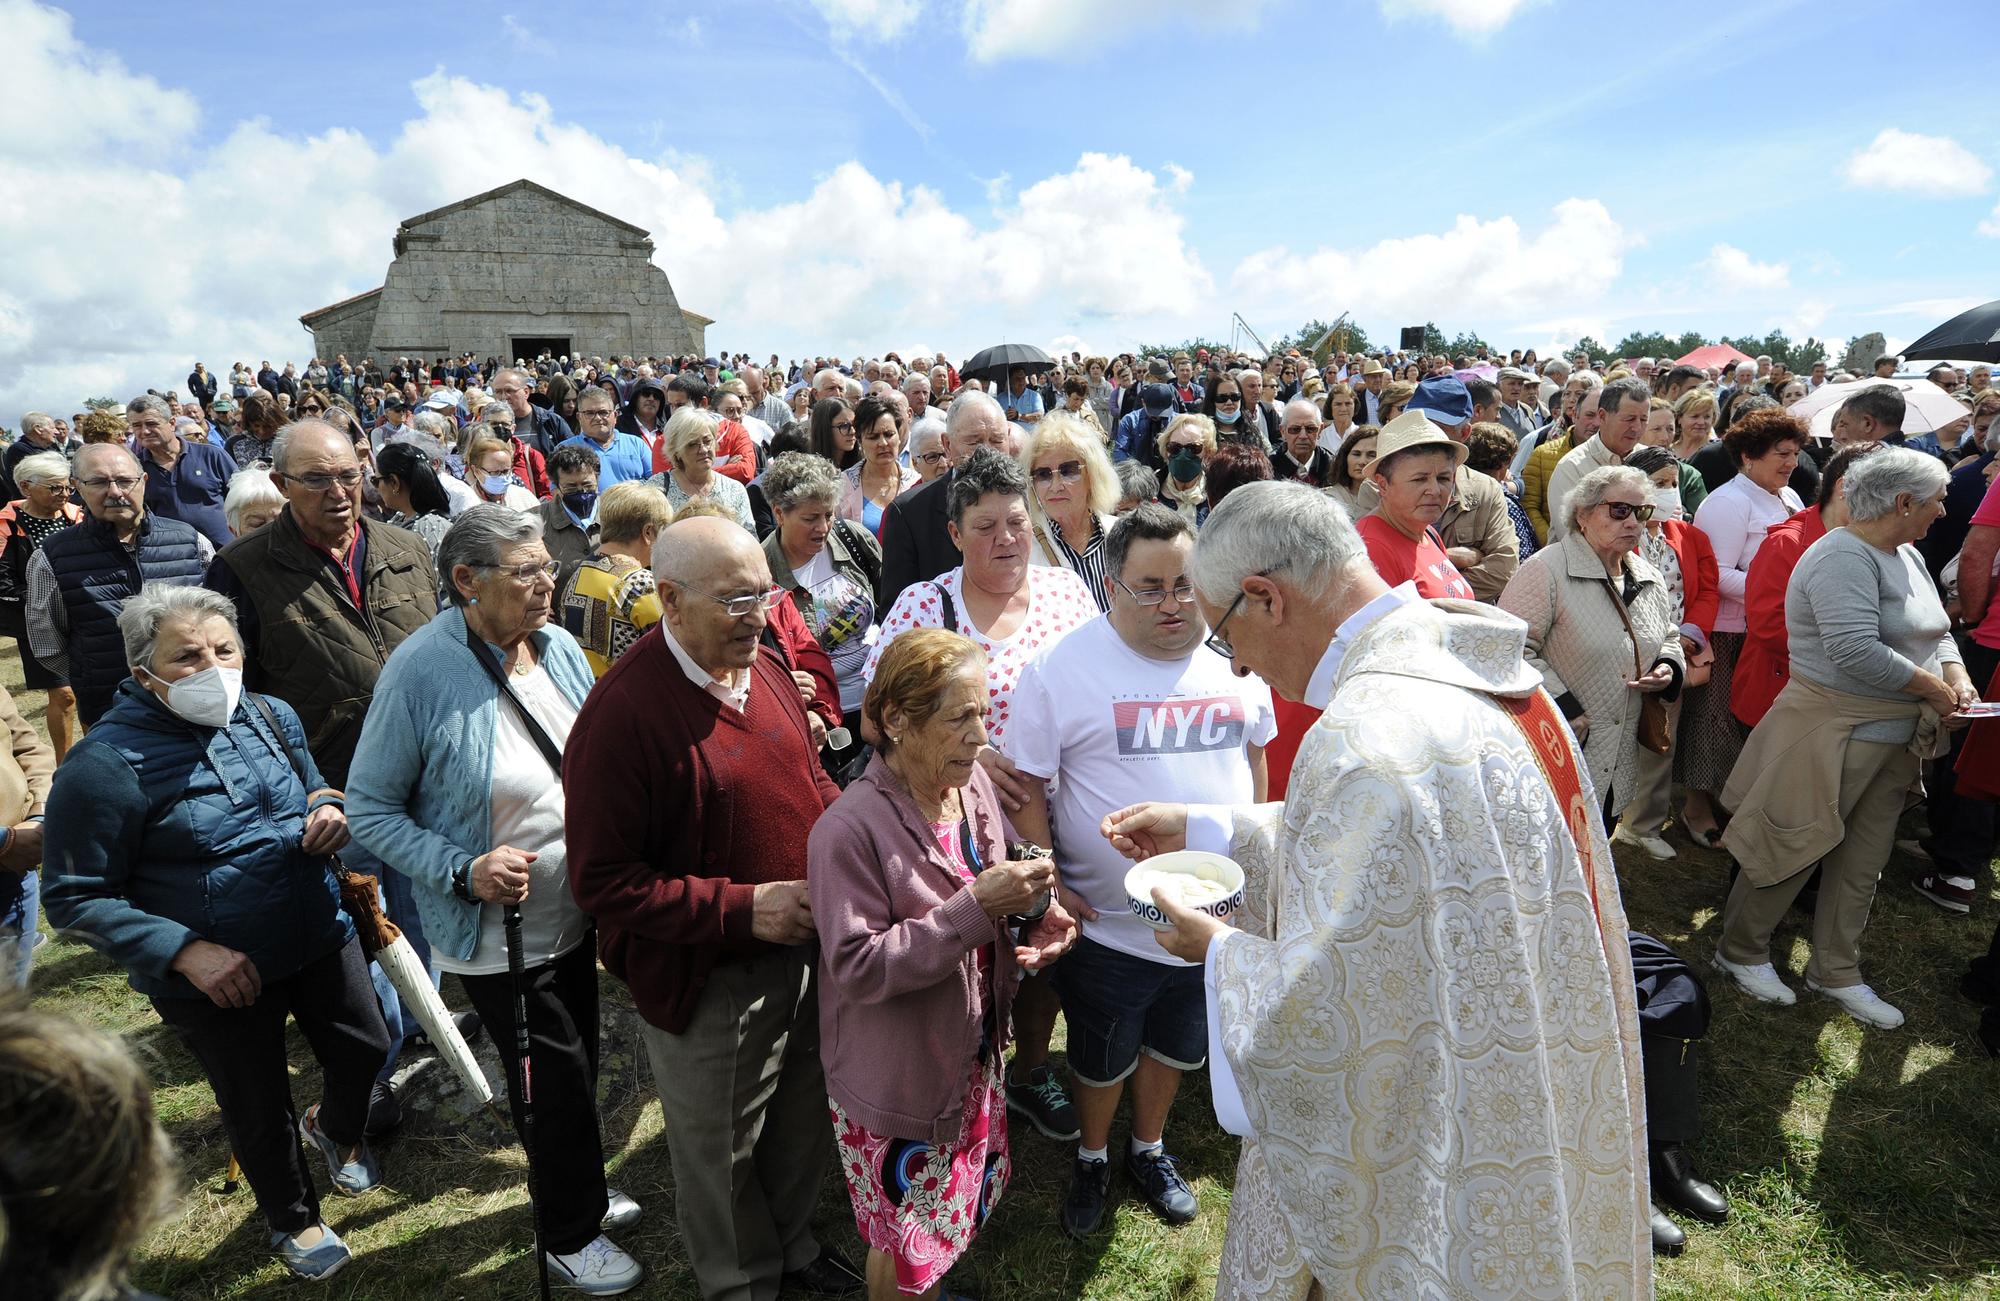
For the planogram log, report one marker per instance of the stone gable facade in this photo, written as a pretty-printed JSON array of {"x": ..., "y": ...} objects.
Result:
[{"x": 507, "y": 273}]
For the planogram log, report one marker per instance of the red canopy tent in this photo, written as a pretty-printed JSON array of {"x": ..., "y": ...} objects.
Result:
[{"x": 1715, "y": 354}]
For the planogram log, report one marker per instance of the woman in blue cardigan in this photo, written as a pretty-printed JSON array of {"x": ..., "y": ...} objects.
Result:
[{"x": 455, "y": 785}]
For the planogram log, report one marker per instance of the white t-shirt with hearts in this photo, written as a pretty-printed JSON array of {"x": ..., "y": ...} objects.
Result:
[{"x": 1057, "y": 602}]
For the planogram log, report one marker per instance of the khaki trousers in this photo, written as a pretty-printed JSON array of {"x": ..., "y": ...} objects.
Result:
[
  {"x": 1646, "y": 813},
  {"x": 1875, "y": 779},
  {"x": 747, "y": 1128}
]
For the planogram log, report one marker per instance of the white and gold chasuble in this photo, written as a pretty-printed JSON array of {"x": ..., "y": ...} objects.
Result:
[{"x": 1436, "y": 1048}]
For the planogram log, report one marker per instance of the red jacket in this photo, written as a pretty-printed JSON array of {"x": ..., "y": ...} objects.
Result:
[
  {"x": 801, "y": 650},
  {"x": 1765, "y": 665},
  {"x": 1701, "y": 591},
  {"x": 530, "y": 468}
]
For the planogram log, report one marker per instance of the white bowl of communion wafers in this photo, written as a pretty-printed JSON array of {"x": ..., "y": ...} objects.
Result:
[{"x": 1205, "y": 883}]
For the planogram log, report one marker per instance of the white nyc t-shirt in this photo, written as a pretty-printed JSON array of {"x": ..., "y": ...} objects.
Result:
[{"x": 1113, "y": 727}]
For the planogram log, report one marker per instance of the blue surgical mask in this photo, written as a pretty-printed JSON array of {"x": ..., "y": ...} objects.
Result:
[
  {"x": 495, "y": 484},
  {"x": 1227, "y": 417}
]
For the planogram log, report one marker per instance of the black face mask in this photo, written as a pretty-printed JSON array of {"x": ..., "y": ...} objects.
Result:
[{"x": 1185, "y": 465}]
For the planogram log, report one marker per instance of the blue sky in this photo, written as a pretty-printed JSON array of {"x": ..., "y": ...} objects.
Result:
[{"x": 859, "y": 175}]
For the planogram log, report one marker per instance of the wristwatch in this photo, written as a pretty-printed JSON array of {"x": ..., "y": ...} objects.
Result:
[{"x": 461, "y": 882}]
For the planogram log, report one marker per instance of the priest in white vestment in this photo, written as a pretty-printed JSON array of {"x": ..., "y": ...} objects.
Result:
[{"x": 1425, "y": 1028}]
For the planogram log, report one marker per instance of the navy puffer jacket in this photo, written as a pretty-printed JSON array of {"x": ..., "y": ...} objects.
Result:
[{"x": 161, "y": 832}]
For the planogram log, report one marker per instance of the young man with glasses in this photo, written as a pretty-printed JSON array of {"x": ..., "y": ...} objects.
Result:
[{"x": 1131, "y": 707}]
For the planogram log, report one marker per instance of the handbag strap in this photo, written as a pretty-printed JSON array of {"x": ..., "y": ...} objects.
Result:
[
  {"x": 1626, "y": 615},
  {"x": 550, "y": 750},
  {"x": 284, "y": 742}
]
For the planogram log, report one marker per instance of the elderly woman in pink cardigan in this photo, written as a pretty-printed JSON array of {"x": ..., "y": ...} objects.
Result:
[{"x": 917, "y": 904}]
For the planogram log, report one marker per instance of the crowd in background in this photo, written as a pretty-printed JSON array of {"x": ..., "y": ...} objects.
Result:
[{"x": 655, "y": 654}]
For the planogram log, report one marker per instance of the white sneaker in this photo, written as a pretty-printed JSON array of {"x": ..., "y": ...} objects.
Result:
[
  {"x": 1653, "y": 845},
  {"x": 601, "y": 1269},
  {"x": 1759, "y": 981},
  {"x": 1862, "y": 1003},
  {"x": 620, "y": 1212}
]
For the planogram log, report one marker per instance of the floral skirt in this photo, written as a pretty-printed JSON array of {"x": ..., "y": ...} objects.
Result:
[
  {"x": 920, "y": 1204},
  {"x": 1711, "y": 738}
]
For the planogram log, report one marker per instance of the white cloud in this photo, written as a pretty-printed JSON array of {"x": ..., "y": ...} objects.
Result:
[
  {"x": 1076, "y": 29},
  {"x": 524, "y": 38},
  {"x": 1180, "y": 177},
  {"x": 1466, "y": 17},
  {"x": 1477, "y": 270},
  {"x": 103, "y": 103},
  {"x": 881, "y": 19},
  {"x": 1990, "y": 227},
  {"x": 193, "y": 253},
  {"x": 1734, "y": 269},
  {"x": 1905, "y": 160}
]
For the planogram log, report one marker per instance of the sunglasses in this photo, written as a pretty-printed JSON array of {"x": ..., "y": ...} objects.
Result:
[
  {"x": 1624, "y": 510},
  {"x": 1069, "y": 471}
]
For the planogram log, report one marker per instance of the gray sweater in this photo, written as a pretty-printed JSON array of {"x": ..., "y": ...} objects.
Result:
[{"x": 1863, "y": 621}]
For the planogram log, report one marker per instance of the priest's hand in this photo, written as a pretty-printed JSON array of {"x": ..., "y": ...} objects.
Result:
[
  {"x": 1143, "y": 830},
  {"x": 1193, "y": 932},
  {"x": 1048, "y": 939}
]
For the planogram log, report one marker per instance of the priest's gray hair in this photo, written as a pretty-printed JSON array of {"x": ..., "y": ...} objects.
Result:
[
  {"x": 1874, "y": 484},
  {"x": 1263, "y": 527},
  {"x": 141, "y": 617}
]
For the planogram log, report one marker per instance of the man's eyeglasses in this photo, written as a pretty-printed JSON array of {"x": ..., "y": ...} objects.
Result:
[
  {"x": 122, "y": 482},
  {"x": 1624, "y": 510},
  {"x": 528, "y": 571},
  {"x": 1216, "y": 641},
  {"x": 1182, "y": 592},
  {"x": 596, "y": 413},
  {"x": 929, "y": 458},
  {"x": 737, "y": 607},
  {"x": 1068, "y": 471},
  {"x": 322, "y": 482},
  {"x": 1299, "y": 429}
]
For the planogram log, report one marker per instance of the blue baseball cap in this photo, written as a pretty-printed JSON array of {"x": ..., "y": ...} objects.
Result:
[
  {"x": 1444, "y": 400},
  {"x": 1156, "y": 398}
]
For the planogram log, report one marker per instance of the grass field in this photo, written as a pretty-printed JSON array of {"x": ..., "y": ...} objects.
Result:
[{"x": 1854, "y": 1160}]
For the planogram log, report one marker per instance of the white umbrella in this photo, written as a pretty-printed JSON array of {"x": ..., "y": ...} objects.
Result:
[
  {"x": 406, "y": 972},
  {"x": 1927, "y": 407}
]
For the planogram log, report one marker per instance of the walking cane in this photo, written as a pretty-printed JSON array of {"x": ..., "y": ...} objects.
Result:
[{"x": 526, "y": 1084}]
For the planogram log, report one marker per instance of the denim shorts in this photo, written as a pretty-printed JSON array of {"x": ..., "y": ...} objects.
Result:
[{"x": 1118, "y": 1005}]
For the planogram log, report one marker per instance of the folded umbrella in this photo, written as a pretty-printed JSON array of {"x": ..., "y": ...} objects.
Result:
[
  {"x": 1926, "y": 406},
  {"x": 383, "y": 943},
  {"x": 1970, "y": 336}
]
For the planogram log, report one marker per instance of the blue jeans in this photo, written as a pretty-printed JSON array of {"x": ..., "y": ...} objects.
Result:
[{"x": 20, "y": 913}]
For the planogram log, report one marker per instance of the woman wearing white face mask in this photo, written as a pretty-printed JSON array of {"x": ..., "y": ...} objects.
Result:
[
  {"x": 489, "y": 468},
  {"x": 1686, "y": 561},
  {"x": 193, "y": 854}
]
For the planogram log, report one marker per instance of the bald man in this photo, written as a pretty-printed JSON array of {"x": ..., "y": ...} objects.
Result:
[
  {"x": 82, "y": 576},
  {"x": 701, "y": 908}
]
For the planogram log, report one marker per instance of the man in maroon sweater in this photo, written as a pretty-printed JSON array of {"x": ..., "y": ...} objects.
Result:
[{"x": 693, "y": 782}]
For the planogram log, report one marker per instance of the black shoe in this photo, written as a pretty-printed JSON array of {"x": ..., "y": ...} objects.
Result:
[
  {"x": 829, "y": 1274},
  {"x": 1161, "y": 1185},
  {"x": 1676, "y": 1183},
  {"x": 468, "y": 1030},
  {"x": 1046, "y": 1105},
  {"x": 1668, "y": 1240},
  {"x": 384, "y": 1112},
  {"x": 1977, "y": 986},
  {"x": 1089, "y": 1191}
]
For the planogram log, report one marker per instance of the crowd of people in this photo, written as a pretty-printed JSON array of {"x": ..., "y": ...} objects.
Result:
[{"x": 871, "y": 677}]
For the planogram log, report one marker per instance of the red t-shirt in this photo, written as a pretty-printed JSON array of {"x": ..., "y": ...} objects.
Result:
[{"x": 1400, "y": 559}]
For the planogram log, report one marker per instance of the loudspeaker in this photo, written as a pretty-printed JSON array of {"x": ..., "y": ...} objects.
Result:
[{"x": 1413, "y": 338}]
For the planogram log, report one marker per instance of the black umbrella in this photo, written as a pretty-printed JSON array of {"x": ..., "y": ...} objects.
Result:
[
  {"x": 1969, "y": 336},
  {"x": 992, "y": 364}
]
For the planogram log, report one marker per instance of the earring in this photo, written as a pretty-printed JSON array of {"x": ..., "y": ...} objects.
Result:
[{"x": 472, "y": 600}]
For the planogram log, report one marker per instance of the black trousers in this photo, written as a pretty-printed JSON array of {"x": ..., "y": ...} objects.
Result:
[
  {"x": 568, "y": 1151},
  {"x": 242, "y": 1050},
  {"x": 1961, "y": 839}
]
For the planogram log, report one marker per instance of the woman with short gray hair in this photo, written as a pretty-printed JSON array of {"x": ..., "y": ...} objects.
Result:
[
  {"x": 1601, "y": 625},
  {"x": 455, "y": 785},
  {"x": 688, "y": 443},
  {"x": 43, "y": 510},
  {"x": 829, "y": 566},
  {"x": 194, "y": 829},
  {"x": 1876, "y": 680}
]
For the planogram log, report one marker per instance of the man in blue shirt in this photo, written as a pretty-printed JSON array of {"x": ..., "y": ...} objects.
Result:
[
  {"x": 620, "y": 456},
  {"x": 184, "y": 480},
  {"x": 1023, "y": 404}
]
